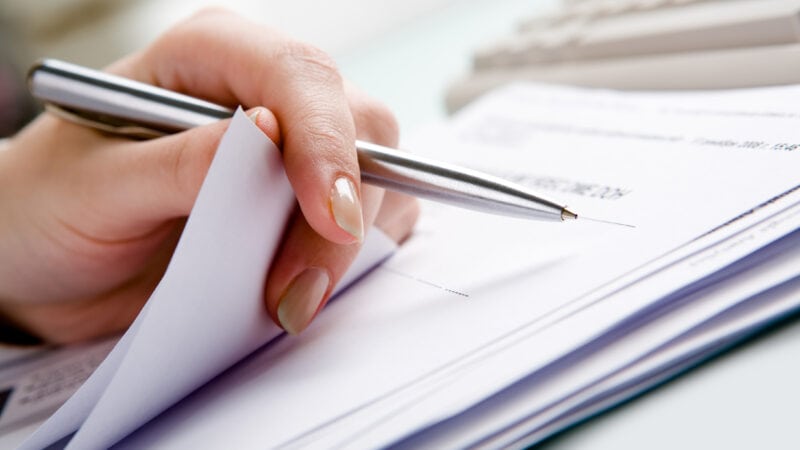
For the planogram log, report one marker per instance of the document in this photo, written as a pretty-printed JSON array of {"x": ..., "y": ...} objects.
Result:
[
  {"x": 36, "y": 381},
  {"x": 697, "y": 177},
  {"x": 676, "y": 193},
  {"x": 208, "y": 311},
  {"x": 641, "y": 352}
]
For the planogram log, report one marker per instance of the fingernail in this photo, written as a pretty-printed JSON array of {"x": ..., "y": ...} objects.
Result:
[
  {"x": 346, "y": 208},
  {"x": 254, "y": 115},
  {"x": 302, "y": 299}
]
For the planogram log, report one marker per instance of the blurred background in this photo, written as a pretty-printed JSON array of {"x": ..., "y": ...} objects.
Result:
[
  {"x": 375, "y": 43},
  {"x": 424, "y": 58}
]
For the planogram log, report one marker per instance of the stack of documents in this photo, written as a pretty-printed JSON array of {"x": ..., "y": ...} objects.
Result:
[{"x": 480, "y": 331}]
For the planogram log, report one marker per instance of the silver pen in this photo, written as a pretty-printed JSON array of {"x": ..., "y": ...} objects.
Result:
[{"x": 122, "y": 106}]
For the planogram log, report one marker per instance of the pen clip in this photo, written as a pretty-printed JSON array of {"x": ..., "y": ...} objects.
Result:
[{"x": 105, "y": 123}]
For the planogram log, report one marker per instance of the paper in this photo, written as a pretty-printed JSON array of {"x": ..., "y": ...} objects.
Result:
[
  {"x": 431, "y": 332},
  {"x": 207, "y": 312},
  {"x": 36, "y": 383},
  {"x": 695, "y": 324},
  {"x": 548, "y": 338}
]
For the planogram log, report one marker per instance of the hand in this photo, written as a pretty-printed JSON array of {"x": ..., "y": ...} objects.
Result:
[{"x": 88, "y": 222}]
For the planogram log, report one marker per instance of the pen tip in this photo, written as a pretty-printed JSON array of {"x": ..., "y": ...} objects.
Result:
[{"x": 567, "y": 214}]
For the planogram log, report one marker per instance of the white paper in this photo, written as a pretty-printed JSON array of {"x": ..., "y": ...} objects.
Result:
[
  {"x": 530, "y": 406},
  {"x": 481, "y": 374},
  {"x": 422, "y": 329},
  {"x": 35, "y": 385},
  {"x": 207, "y": 312},
  {"x": 689, "y": 349}
]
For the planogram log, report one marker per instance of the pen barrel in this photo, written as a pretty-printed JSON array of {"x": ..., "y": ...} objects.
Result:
[
  {"x": 119, "y": 105},
  {"x": 421, "y": 177}
]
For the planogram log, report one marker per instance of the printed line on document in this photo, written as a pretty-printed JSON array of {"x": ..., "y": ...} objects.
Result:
[{"x": 425, "y": 282}]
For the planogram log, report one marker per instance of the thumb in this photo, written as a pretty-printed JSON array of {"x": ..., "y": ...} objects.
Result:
[{"x": 163, "y": 176}]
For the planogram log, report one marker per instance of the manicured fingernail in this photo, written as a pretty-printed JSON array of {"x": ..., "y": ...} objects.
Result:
[
  {"x": 346, "y": 208},
  {"x": 302, "y": 299}
]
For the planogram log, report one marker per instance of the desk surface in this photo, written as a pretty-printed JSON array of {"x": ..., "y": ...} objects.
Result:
[{"x": 743, "y": 399}]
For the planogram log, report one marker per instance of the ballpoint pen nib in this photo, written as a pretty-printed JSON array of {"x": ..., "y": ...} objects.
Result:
[{"x": 567, "y": 214}]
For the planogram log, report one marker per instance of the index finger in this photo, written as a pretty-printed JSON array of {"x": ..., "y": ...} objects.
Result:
[{"x": 226, "y": 59}]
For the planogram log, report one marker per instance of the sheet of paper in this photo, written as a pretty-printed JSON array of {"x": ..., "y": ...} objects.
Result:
[
  {"x": 499, "y": 368},
  {"x": 627, "y": 324},
  {"x": 207, "y": 312},
  {"x": 35, "y": 385},
  {"x": 690, "y": 349},
  {"x": 533, "y": 403},
  {"x": 668, "y": 168}
]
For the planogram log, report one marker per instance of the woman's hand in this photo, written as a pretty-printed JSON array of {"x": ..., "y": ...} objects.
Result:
[{"x": 88, "y": 222}]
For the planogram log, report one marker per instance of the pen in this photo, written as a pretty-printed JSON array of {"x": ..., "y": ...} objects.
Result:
[{"x": 123, "y": 106}]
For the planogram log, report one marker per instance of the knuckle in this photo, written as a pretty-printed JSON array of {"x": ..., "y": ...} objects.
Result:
[
  {"x": 377, "y": 122},
  {"x": 212, "y": 11},
  {"x": 327, "y": 139},
  {"x": 195, "y": 28},
  {"x": 308, "y": 60}
]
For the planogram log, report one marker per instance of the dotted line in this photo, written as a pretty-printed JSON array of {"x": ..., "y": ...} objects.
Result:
[{"x": 426, "y": 282}]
